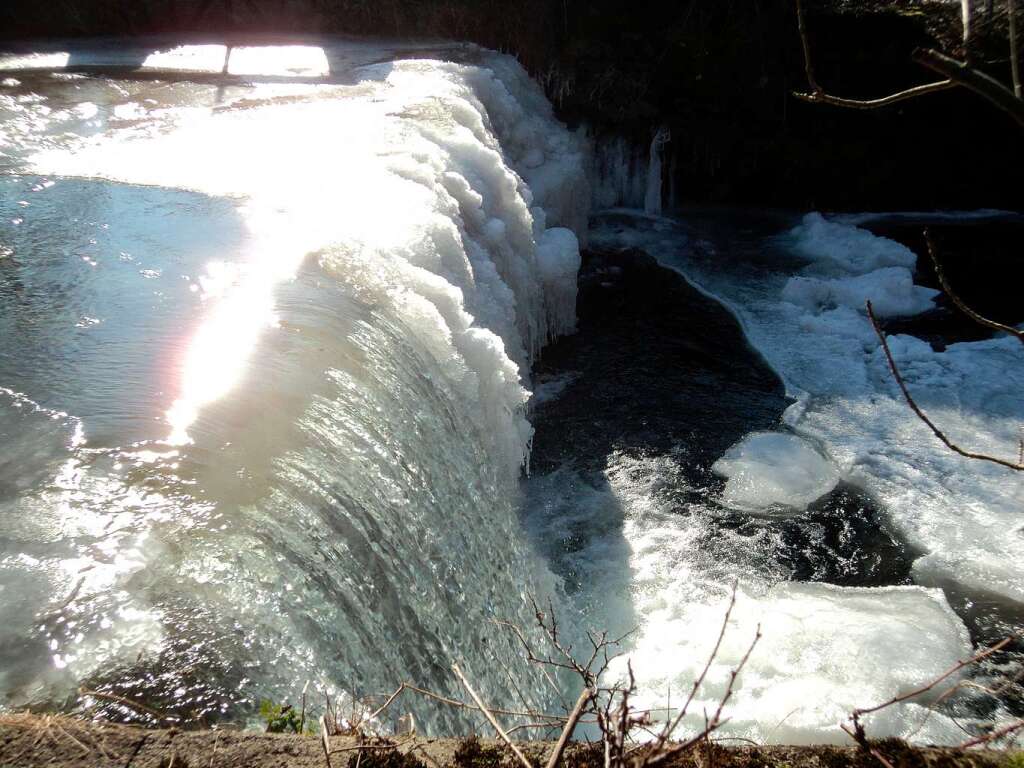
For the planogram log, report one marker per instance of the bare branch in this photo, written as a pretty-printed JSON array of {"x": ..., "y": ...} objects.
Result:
[
  {"x": 325, "y": 739},
  {"x": 820, "y": 97},
  {"x": 948, "y": 290},
  {"x": 921, "y": 414},
  {"x": 995, "y": 735},
  {"x": 857, "y": 734},
  {"x": 716, "y": 721},
  {"x": 586, "y": 695},
  {"x": 460, "y": 704},
  {"x": 805, "y": 40},
  {"x": 973, "y": 79},
  {"x": 944, "y": 676},
  {"x": 491, "y": 719},
  {"x": 671, "y": 725},
  {"x": 817, "y": 94},
  {"x": 1011, "y": 10}
]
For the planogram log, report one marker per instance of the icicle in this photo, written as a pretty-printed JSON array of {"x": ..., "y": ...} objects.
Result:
[{"x": 652, "y": 199}]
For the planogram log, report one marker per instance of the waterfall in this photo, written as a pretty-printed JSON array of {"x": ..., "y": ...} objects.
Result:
[{"x": 337, "y": 359}]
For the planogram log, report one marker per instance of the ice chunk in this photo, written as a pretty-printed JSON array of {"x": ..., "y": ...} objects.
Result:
[
  {"x": 847, "y": 247},
  {"x": 891, "y": 291},
  {"x": 811, "y": 667},
  {"x": 767, "y": 469}
]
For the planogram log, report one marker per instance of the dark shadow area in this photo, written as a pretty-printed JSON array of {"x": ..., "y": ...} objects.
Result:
[{"x": 982, "y": 262}]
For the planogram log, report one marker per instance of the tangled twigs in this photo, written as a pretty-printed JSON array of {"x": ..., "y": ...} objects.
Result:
[{"x": 917, "y": 409}]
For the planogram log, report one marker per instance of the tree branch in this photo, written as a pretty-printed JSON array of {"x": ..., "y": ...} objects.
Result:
[
  {"x": 948, "y": 290},
  {"x": 585, "y": 696},
  {"x": 820, "y": 97},
  {"x": 920, "y": 414},
  {"x": 974, "y": 80},
  {"x": 491, "y": 719},
  {"x": 1011, "y": 10}
]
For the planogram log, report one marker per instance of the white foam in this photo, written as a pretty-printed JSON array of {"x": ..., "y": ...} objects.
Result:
[
  {"x": 769, "y": 469},
  {"x": 642, "y": 566}
]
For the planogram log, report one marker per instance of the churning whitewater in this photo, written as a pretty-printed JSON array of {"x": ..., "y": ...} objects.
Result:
[{"x": 288, "y": 447}]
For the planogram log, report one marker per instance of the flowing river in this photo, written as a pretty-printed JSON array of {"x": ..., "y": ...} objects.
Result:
[{"x": 270, "y": 321}]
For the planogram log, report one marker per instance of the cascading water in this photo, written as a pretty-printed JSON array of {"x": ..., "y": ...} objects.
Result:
[{"x": 267, "y": 411}]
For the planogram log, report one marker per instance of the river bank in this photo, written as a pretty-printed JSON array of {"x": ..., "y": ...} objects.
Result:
[{"x": 27, "y": 741}]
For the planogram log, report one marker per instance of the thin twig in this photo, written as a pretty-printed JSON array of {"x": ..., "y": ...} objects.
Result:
[
  {"x": 995, "y": 735},
  {"x": 158, "y": 716},
  {"x": 671, "y": 725},
  {"x": 490, "y": 718},
  {"x": 921, "y": 414},
  {"x": 716, "y": 721},
  {"x": 808, "y": 65},
  {"x": 460, "y": 704},
  {"x": 945, "y": 675},
  {"x": 1011, "y": 10},
  {"x": 948, "y": 290},
  {"x": 820, "y": 97},
  {"x": 325, "y": 740},
  {"x": 858, "y": 736}
]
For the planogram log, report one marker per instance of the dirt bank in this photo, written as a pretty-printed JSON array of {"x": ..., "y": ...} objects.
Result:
[{"x": 56, "y": 741}]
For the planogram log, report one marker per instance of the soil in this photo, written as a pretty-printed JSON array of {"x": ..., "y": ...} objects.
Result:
[{"x": 29, "y": 740}]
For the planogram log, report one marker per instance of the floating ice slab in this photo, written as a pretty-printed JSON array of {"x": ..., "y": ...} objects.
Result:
[
  {"x": 890, "y": 290},
  {"x": 824, "y": 651},
  {"x": 766, "y": 470}
]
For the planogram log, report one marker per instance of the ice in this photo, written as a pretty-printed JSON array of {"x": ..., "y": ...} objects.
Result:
[
  {"x": 890, "y": 290},
  {"x": 847, "y": 247},
  {"x": 963, "y": 515},
  {"x": 558, "y": 259},
  {"x": 618, "y": 172},
  {"x": 824, "y": 651},
  {"x": 769, "y": 469},
  {"x": 652, "y": 194}
]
